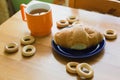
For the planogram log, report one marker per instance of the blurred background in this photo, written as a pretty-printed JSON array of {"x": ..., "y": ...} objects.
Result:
[
  {"x": 112, "y": 7},
  {"x": 10, "y": 7}
]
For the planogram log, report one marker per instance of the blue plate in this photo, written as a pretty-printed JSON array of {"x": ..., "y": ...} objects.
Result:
[{"x": 71, "y": 53}]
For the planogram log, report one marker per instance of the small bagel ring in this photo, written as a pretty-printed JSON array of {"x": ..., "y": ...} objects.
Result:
[
  {"x": 110, "y": 34},
  {"x": 11, "y": 47},
  {"x": 27, "y": 40},
  {"x": 28, "y": 50},
  {"x": 87, "y": 74},
  {"x": 71, "y": 67},
  {"x": 62, "y": 23},
  {"x": 72, "y": 19}
]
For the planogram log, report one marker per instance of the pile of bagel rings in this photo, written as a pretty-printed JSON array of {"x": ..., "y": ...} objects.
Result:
[
  {"x": 26, "y": 41},
  {"x": 84, "y": 70},
  {"x": 66, "y": 22}
]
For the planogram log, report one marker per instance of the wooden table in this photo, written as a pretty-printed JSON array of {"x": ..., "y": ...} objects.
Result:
[
  {"x": 105, "y": 6},
  {"x": 46, "y": 64}
]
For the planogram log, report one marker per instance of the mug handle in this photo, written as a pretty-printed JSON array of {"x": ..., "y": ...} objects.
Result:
[{"x": 22, "y": 8}]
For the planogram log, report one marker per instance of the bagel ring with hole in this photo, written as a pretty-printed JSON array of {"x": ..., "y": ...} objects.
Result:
[
  {"x": 72, "y": 19},
  {"x": 11, "y": 47},
  {"x": 82, "y": 73},
  {"x": 110, "y": 34},
  {"x": 71, "y": 67},
  {"x": 27, "y": 40},
  {"x": 28, "y": 50},
  {"x": 62, "y": 23}
]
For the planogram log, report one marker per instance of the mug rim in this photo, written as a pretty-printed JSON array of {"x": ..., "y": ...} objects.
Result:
[{"x": 38, "y": 3}]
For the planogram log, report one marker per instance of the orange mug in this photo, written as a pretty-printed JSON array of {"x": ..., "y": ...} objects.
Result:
[{"x": 38, "y": 17}]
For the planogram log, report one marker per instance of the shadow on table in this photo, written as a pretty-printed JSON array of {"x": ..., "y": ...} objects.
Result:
[{"x": 90, "y": 60}]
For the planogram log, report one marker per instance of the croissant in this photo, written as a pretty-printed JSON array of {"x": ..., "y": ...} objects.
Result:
[{"x": 78, "y": 37}]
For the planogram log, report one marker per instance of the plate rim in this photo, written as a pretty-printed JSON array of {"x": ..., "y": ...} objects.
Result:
[{"x": 102, "y": 45}]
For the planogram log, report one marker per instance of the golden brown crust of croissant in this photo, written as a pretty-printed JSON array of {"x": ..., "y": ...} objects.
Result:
[{"x": 78, "y": 37}]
